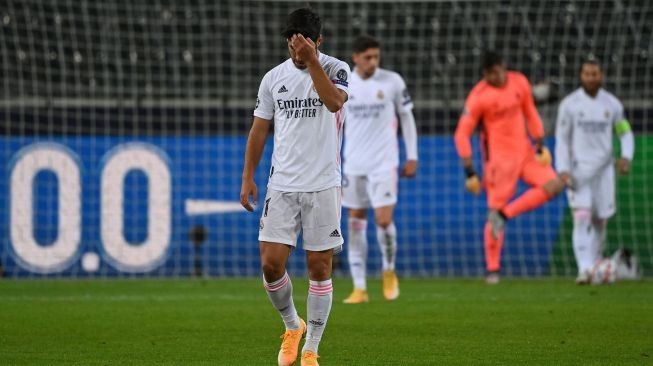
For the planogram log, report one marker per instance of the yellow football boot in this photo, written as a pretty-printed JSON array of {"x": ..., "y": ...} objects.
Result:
[
  {"x": 290, "y": 344},
  {"x": 390, "y": 285},
  {"x": 357, "y": 296},
  {"x": 310, "y": 359}
]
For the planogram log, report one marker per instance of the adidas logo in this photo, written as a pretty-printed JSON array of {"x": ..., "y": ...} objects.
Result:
[
  {"x": 335, "y": 234},
  {"x": 388, "y": 194},
  {"x": 282, "y": 89}
]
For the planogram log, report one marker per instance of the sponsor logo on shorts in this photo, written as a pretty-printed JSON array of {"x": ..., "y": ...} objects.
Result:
[{"x": 335, "y": 234}]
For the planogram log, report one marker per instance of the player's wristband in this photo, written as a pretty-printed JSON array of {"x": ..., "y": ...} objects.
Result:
[{"x": 469, "y": 171}]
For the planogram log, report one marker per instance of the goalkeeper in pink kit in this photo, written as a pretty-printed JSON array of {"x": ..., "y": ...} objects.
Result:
[{"x": 503, "y": 106}]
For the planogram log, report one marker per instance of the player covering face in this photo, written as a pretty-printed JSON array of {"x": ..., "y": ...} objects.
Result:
[
  {"x": 379, "y": 101},
  {"x": 584, "y": 157},
  {"x": 503, "y": 105},
  {"x": 303, "y": 96}
]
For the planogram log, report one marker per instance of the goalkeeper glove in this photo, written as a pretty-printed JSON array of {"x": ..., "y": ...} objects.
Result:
[
  {"x": 543, "y": 155},
  {"x": 472, "y": 183}
]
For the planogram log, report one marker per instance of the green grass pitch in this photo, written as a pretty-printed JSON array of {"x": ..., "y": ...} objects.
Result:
[{"x": 231, "y": 322}]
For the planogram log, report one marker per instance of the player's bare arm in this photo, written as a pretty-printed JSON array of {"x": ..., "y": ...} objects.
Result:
[
  {"x": 255, "y": 145},
  {"x": 306, "y": 52}
]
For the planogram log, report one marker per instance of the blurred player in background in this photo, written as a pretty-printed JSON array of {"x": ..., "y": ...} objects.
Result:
[
  {"x": 377, "y": 98},
  {"x": 304, "y": 96},
  {"x": 503, "y": 104},
  {"x": 584, "y": 160}
]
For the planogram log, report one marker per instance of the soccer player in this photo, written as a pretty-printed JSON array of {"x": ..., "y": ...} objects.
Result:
[
  {"x": 584, "y": 160},
  {"x": 304, "y": 96},
  {"x": 504, "y": 104},
  {"x": 371, "y": 157}
]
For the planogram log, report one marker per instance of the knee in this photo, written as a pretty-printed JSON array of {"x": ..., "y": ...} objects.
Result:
[
  {"x": 272, "y": 270},
  {"x": 382, "y": 221},
  {"x": 319, "y": 270},
  {"x": 359, "y": 214},
  {"x": 601, "y": 223},
  {"x": 554, "y": 187}
]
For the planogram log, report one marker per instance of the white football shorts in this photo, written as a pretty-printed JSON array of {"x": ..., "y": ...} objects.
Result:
[
  {"x": 317, "y": 214},
  {"x": 374, "y": 190},
  {"x": 596, "y": 194}
]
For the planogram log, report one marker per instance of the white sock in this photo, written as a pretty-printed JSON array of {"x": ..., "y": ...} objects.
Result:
[
  {"x": 599, "y": 237},
  {"x": 583, "y": 239},
  {"x": 357, "y": 253},
  {"x": 387, "y": 239},
  {"x": 280, "y": 293},
  {"x": 320, "y": 296}
]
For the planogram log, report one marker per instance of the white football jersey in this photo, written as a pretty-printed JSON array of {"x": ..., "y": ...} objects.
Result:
[
  {"x": 307, "y": 137},
  {"x": 371, "y": 143},
  {"x": 584, "y": 132}
]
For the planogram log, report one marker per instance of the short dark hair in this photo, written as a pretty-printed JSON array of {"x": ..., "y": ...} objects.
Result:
[
  {"x": 303, "y": 21},
  {"x": 591, "y": 60},
  {"x": 365, "y": 42},
  {"x": 489, "y": 59}
]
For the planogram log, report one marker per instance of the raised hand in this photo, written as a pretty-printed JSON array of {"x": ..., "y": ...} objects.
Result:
[{"x": 305, "y": 49}]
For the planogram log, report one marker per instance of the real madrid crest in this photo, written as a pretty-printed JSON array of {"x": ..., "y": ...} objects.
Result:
[
  {"x": 261, "y": 225},
  {"x": 380, "y": 94}
]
